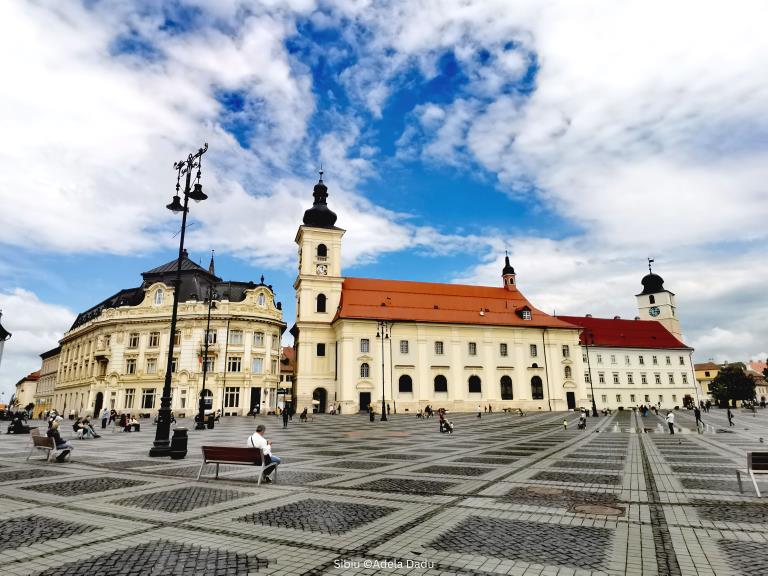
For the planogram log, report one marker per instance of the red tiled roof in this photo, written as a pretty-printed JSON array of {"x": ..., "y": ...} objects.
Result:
[
  {"x": 287, "y": 360},
  {"x": 617, "y": 333},
  {"x": 707, "y": 366},
  {"x": 366, "y": 298}
]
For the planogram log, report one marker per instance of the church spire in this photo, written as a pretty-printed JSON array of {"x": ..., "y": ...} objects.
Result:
[
  {"x": 320, "y": 216},
  {"x": 211, "y": 266},
  {"x": 508, "y": 273}
]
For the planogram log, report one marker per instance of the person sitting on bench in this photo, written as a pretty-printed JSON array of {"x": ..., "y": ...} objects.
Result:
[
  {"x": 134, "y": 424},
  {"x": 257, "y": 440},
  {"x": 61, "y": 444}
]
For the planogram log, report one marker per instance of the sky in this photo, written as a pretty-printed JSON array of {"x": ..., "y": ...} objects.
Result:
[{"x": 582, "y": 136}]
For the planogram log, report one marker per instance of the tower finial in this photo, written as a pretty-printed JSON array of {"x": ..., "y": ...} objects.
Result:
[
  {"x": 321, "y": 172},
  {"x": 650, "y": 261}
]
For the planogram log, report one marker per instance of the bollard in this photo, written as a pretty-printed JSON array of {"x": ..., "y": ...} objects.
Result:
[
  {"x": 211, "y": 420},
  {"x": 179, "y": 444}
]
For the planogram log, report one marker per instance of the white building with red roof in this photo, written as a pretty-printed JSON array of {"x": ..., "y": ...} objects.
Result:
[
  {"x": 402, "y": 345},
  {"x": 362, "y": 341}
]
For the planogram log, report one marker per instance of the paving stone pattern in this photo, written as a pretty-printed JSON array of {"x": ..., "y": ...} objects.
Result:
[
  {"x": 748, "y": 558},
  {"x": 454, "y": 470},
  {"x": 564, "y": 498},
  {"x": 316, "y": 515},
  {"x": 588, "y": 465},
  {"x": 578, "y": 477},
  {"x": 406, "y": 485},
  {"x": 181, "y": 499},
  {"x": 577, "y": 546},
  {"x": 522, "y": 496},
  {"x": 719, "y": 511},
  {"x": 28, "y": 530},
  {"x": 160, "y": 558},
  {"x": 13, "y": 475},
  {"x": 82, "y": 486}
]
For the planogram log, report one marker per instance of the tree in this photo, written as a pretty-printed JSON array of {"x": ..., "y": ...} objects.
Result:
[
  {"x": 732, "y": 383},
  {"x": 765, "y": 370}
]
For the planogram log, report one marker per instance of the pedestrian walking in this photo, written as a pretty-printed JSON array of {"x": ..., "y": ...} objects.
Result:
[
  {"x": 285, "y": 418},
  {"x": 730, "y": 417},
  {"x": 671, "y": 422},
  {"x": 697, "y": 415},
  {"x": 565, "y": 423}
]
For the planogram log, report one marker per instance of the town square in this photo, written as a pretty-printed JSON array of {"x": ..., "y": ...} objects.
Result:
[{"x": 357, "y": 287}]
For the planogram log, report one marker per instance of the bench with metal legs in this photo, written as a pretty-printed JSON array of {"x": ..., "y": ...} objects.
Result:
[{"x": 757, "y": 463}]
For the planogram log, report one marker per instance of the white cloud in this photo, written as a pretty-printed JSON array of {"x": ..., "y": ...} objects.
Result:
[{"x": 36, "y": 326}]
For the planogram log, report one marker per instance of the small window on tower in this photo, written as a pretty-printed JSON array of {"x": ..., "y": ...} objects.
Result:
[
  {"x": 322, "y": 252},
  {"x": 652, "y": 299}
]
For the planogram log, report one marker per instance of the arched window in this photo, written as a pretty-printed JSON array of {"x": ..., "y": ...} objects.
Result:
[
  {"x": 321, "y": 302},
  {"x": 652, "y": 299},
  {"x": 537, "y": 388},
  {"x": 262, "y": 299},
  {"x": 365, "y": 370},
  {"x": 441, "y": 384},
  {"x": 568, "y": 372},
  {"x": 474, "y": 384},
  {"x": 159, "y": 297},
  {"x": 322, "y": 252},
  {"x": 405, "y": 383},
  {"x": 506, "y": 388}
]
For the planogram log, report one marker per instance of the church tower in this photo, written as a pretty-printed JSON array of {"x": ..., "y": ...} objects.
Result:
[
  {"x": 656, "y": 303},
  {"x": 508, "y": 274},
  {"x": 318, "y": 294}
]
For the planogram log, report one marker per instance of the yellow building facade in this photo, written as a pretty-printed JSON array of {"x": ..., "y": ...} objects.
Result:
[{"x": 115, "y": 355}]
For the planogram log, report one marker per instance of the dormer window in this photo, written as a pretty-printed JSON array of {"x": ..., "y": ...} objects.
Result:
[
  {"x": 262, "y": 300},
  {"x": 524, "y": 313},
  {"x": 159, "y": 297}
]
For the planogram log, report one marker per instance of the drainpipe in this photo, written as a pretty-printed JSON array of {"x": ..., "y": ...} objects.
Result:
[
  {"x": 546, "y": 369},
  {"x": 224, "y": 383}
]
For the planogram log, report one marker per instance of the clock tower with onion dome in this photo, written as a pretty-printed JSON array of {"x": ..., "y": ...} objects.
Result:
[
  {"x": 318, "y": 294},
  {"x": 657, "y": 303}
]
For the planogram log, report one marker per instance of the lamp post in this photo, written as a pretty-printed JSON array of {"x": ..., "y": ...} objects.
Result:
[
  {"x": 201, "y": 409},
  {"x": 4, "y": 336},
  {"x": 162, "y": 441},
  {"x": 383, "y": 333},
  {"x": 591, "y": 338}
]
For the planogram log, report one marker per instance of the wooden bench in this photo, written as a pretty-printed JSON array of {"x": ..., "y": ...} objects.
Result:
[
  {"x": 42, "y": 443},
  {"x": 757, "y": 463},
  {"x": 236, "y": 456}
]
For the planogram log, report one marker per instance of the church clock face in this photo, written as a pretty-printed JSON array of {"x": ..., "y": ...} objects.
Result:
[
  {"x": 654, "y": 311},
  {"x": 322, "y": 269}
]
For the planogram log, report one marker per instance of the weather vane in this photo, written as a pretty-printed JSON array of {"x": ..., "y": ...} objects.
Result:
[{"x": 650, "y": 261}]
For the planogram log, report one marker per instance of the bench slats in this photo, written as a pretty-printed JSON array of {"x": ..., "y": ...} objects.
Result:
[{"x": 232, "y": 455}]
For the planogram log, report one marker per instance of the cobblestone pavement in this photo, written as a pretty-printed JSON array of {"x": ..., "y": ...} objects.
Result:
[{"x": 503, "y": 495}]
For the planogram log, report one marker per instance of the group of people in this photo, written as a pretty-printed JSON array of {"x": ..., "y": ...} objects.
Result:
[{"x": 84, "y": 429}]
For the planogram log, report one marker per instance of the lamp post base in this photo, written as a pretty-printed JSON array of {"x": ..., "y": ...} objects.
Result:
[
  {"x": 594, "y": 409},
  {"x": 200, "y": 425},
  {"x": 160, "y": 449}
]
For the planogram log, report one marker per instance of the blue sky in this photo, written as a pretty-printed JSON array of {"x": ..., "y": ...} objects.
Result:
[{"x": 447, "y": 134}]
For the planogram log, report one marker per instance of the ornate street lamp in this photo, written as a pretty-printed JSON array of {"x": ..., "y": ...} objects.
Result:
[
  {"x": 383, "y": 333},
  {"x": 162, "y": 441},
  {"x": 211, "y": 305},
  {"x": 4, "y": 336}
]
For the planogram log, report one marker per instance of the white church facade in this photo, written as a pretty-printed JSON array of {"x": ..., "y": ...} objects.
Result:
[{"x": 403, "y": 345}]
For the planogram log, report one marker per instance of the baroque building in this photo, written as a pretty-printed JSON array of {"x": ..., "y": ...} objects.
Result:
[
  {"x": 46, "y": 385},
  {"x": 115, "y": 353},
  {"x": 407, "y": 344}
]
